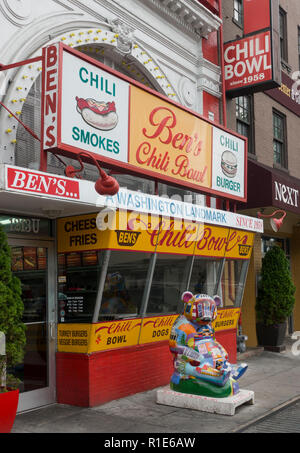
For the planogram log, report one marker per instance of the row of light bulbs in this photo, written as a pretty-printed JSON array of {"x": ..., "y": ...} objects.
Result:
[{"x": 105, "y": 37}]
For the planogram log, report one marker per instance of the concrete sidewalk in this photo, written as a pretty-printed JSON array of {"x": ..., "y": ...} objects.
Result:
[{"x": 274, "y": 377}]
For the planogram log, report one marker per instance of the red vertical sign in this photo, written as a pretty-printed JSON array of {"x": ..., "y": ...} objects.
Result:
[
  {"x": 257, "y": 15},
  {"x": 252, "y": 63}
]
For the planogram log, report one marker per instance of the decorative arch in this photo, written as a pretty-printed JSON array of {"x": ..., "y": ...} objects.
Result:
[{"x": 114, "y": 36}]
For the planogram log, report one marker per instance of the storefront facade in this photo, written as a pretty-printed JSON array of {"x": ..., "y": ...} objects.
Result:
[
  {"x": 269, "y": 118},
  {"x": 99, "y": 303}
]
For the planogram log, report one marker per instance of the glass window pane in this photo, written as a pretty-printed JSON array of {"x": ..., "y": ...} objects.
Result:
[
  {"x": 233, "y": 281},
  {"x": 238, "y": 10},
  {"x": 277, "y": 153},
  {"x": 29, "y": 264},
  {"x": 124, "y": 285},
  {"x": 169, "y": 282},
  {"x": 78, "y": 277},
  {"x": 243, "y": 129},
  {"x": 204, "y": 278}
]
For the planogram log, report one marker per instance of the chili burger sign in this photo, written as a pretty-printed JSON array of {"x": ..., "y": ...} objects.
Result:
[{"x": 127, "y": 127}]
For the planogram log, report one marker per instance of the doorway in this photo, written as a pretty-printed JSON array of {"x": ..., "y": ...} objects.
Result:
[{"x": 34, "y": 263}]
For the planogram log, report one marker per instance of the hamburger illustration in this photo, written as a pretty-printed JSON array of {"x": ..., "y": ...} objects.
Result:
[
  {"x": 229, "y": 164},
  {"x": 99, "y": 114}
]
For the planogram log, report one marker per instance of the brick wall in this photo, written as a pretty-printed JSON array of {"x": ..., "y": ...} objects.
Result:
[
  {"x": 90, "y": 380},
  {"x": 295, "y": 260},
  {"x": 249, "y": 299},
  {"x": 263, "y": 123}
]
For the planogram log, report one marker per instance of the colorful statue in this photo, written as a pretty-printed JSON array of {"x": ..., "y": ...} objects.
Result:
[{"x": 200, "y": 362}]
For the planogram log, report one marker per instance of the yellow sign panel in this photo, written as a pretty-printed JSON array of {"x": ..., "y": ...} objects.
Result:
[
  {"x": 73, "y": 337},
  {"x": 141, "y": 232},
  {"x": 78, "y": 233},
  {"x": 89, "y": 338},
  {"x": 133, "y": 232},
  {"x": 227, "y": 318},
  {"x": 168, "y": 141},
  {"x": 115, "y": 334},
  {"x": 157, "y": 328}
]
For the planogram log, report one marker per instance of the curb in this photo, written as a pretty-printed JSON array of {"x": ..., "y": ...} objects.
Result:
[
  {"x": 278, "y": 408},
  {"x": 249, "y": 353}
]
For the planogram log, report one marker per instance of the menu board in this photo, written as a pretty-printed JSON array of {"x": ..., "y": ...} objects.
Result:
[
  {"x": 42, "y": 257},
  {"x": 89, "y": 258},
  {"x": 73, "y": 259},
  {"x": 74, "y": 304},
  {"x": 61, "y": 258},
  {"x": 16, "y": 259}
]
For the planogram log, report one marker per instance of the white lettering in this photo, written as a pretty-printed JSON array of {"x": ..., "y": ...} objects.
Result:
[
  {"x": 286, "y": 194},
  {"x": 20, "y": 177},
  {"x": 227, "y": 50},
  {"x": 61, "y": 187},
  {"x": 43, "y": 182},
  {"x": 32, "y": 179}
]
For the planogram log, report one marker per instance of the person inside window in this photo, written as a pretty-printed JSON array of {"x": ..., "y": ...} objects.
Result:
[{"x": 116, "y": 298}]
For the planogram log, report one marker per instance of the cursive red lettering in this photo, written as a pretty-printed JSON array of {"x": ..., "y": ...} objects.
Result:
[{"x": 163, "y": 125}]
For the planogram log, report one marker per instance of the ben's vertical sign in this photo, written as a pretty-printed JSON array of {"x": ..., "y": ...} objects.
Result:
[
  {"x": 252, "y": 63},
  {"x": 50, "y": 98}
]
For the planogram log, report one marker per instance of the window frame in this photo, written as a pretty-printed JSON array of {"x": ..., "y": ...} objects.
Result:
[
  {"x": 239, "y": 12},
  {"x": 298, "y": 29},
  {"x": 246, "y": 122},
  {"x": 282, "y": 141},
  {"x": 283, "y": 35}
]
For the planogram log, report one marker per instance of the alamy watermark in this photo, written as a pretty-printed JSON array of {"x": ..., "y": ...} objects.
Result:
[
  {"x": 295, "y": 349},
  {"x": 145, "y": 211}
]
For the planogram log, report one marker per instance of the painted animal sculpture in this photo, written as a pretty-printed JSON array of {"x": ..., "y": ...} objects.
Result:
[{"x": 200, "y": 362}]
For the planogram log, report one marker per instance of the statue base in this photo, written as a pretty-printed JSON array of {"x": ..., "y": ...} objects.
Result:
[
  {"x": 223, "y": 406},
  {"x": 202, "y": 388}
]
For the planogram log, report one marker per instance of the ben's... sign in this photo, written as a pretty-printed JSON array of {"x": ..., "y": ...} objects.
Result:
[{"x": 21, "y": 180}]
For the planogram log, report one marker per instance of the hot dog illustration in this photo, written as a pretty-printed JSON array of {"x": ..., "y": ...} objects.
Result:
[{"x": 99, "y": 114}]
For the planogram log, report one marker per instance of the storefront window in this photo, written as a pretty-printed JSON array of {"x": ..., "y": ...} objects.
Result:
[
  {"x": 205, "y": 276},
  {"x": 267, "y": 242},
  {"x": 175, "y": 193},
  {"x": 233, "y": 282},
  {"x": 30, "y": 265},
  {"x": 78, "y": 279},
  {"x": 169, "y": 282},
  {"x": 135, "y": 183},
  {"x": 124, "y": 285}
]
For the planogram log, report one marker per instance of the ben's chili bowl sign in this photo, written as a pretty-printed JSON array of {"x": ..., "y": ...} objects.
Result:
[
  {"x": 168, "y": 141},
  {"x": 193, "y": 238},
  {"x": 127, "y": 127}
]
